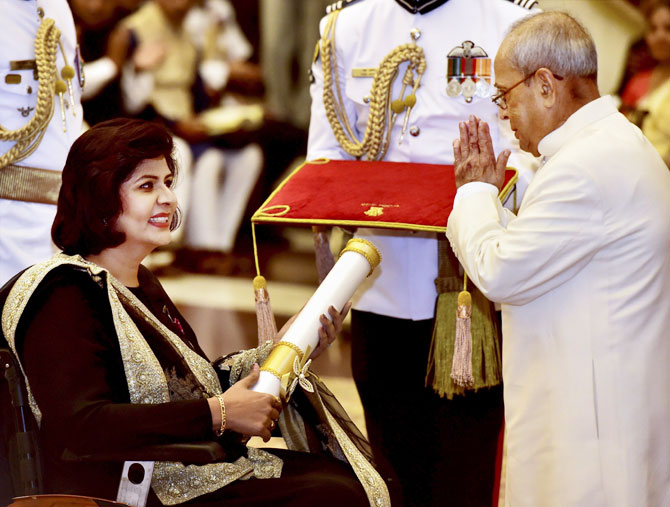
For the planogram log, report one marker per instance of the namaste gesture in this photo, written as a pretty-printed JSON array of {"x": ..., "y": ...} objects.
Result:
[{"x": 474, "y": 159}]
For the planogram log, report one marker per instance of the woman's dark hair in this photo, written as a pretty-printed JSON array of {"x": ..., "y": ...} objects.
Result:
[
  {"x": 100, "y": 160},
  {"x": 649, "y": 7}
]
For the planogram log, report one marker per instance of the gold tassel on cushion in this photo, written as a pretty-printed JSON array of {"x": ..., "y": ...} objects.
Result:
[
  {"x": 267, "y": 327},
  {"x": 484, "y": 357},
  {"x": 461, "y": 367}
]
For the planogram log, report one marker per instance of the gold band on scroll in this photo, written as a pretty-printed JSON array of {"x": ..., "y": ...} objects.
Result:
[
  {"x": 280, "y": 360},
  {"x": 367, "y": 249}
]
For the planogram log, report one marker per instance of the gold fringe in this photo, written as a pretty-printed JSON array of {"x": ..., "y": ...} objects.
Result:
[
  {"x": 486, "y": 362},
  {"x": 461, "y": 366}
]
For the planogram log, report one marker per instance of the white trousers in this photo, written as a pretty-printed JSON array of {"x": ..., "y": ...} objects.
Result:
[
  {"x": 25, "y": 235},
  {"x": 221, "y": 184}
]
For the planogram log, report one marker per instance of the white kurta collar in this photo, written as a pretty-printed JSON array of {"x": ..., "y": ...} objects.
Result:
[{"x": 587, "y": 114}]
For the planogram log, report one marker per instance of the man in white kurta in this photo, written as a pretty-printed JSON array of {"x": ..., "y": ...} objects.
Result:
[{"x": 583, "y": 277}]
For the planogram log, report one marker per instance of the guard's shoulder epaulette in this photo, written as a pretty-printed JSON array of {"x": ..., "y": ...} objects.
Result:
[
  {"x": 340, "y": 4},
  {"x": 526, "y": 4}
]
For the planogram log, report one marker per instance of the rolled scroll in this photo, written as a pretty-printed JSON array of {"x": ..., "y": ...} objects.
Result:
[{"x": 357, "y": 260}]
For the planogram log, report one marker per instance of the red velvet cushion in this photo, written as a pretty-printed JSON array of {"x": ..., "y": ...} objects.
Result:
[{"x": 372, "y": 194}]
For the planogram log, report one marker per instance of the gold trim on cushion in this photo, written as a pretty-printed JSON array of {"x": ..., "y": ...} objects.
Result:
[{"x": 277, "y": 212}]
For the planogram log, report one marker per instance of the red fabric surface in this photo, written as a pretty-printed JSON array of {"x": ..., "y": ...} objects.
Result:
[
  {"x": 410, "y": 196},
  {"x": 636, "y": 89}
]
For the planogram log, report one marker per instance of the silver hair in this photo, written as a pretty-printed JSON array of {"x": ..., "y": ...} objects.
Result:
[{"x": 554, "y": 40}]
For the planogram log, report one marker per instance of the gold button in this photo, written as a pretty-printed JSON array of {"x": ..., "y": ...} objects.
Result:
[{"x": 414, "y": 130}]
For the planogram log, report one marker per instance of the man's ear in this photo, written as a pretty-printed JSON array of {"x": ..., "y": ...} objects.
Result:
[{"x": 548, "y": 86}]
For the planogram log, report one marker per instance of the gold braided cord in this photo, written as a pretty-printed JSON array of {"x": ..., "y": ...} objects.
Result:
[
  {"x": 29, "y": 136},
  {"x": 381, "y": 118},
  {"x": 293, "y": 346}
]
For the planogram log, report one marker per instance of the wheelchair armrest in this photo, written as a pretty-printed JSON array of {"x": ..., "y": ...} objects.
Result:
[{"x": 190, "y": 453}]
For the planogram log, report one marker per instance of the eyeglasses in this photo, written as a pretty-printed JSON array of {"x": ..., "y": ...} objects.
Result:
[{"x": 499, "y": 99}]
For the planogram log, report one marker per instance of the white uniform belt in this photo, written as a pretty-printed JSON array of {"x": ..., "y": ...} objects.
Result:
[{"x": 30, "y": 184}]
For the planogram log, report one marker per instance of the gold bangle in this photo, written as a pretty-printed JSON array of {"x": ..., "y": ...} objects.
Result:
[{"x": 222, "y": 406}]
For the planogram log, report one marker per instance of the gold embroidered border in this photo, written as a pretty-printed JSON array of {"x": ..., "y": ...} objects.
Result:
[
  {"x": 173, "y": 483},
  {"x": 11, "y": 313},
  {"x": 374, "y": 485},
  {"x": 240, "y": 363}
]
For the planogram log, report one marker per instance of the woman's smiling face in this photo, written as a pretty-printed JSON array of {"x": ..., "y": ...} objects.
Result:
[{"x": 148, "y": 205}]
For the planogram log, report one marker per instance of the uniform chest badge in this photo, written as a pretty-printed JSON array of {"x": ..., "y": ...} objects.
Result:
[{"x": 468, "y": 72}]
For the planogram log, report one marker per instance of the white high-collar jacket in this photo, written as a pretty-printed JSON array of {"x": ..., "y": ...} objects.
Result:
[{"x": 583, "y": 276}]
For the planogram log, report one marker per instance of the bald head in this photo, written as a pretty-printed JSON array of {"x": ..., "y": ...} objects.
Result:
[{"x": 554, "y": 40}]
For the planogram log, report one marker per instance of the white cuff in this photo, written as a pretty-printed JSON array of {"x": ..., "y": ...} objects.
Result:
[
  {"x": 137, "y": 88},
  {"x": 98, "y": 74},
  {"x": 474, "y": 187},
  {"x": 215, "y": 73}
]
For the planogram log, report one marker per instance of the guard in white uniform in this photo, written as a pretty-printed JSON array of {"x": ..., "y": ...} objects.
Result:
[
  {"x": 34, "y": 139},
  {"x": 441, "y": 451}
]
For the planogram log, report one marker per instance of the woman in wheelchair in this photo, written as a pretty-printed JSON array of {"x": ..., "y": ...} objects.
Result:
[{"x": 111, "y": 365}]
